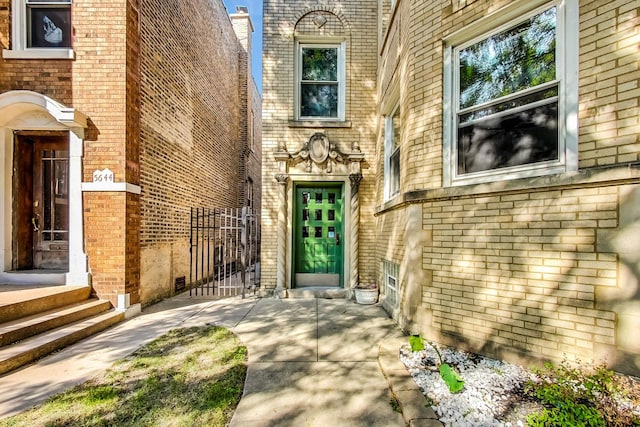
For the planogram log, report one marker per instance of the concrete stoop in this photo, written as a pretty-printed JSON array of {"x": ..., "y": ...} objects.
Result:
[
  {"x": 317, "y": 292},
  {"x": 415, "y": 410},
  {"x": 36, "y": 322}
]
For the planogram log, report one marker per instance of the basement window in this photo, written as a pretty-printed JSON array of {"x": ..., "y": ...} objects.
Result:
[{"x": 390, "y": 274}]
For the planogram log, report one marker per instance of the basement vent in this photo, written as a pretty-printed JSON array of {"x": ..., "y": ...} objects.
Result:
[{"x": 181, "y": 283}]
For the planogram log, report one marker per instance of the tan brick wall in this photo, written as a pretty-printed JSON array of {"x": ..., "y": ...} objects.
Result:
[
  {"x": 528, "y": 269},
  {"x": 254, "y": 155},
  {"x": 194, "y": 128},
  {"x": 520, "y": 270},
  {"x": 609, "y": 83},
  {"x": 357, "y": 21}
]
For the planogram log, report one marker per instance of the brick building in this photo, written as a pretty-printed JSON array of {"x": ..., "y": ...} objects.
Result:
[
  {"x": 116, "y": 117},
  {"x": 484, "y": 159}
]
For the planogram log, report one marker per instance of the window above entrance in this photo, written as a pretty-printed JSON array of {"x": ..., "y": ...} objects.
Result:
[
  {"x": 41, "y": 30},
  {"x": 320, "y": 81}
]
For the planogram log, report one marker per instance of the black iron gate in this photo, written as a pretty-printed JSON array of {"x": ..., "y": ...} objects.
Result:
[{"x": 225, "y": 251}]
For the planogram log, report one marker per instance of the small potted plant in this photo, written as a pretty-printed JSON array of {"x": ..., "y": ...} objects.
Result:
[{"x": 366, "y": 294}]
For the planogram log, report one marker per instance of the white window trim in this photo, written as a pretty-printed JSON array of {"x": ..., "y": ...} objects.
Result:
[
  {"x": 19, "y": 49},
  {"x": 389, "y": 150},
  {"x": 567, "y": 71},
  {"x": 391, "y": 270},
  {"x": 334, "y": 42}
]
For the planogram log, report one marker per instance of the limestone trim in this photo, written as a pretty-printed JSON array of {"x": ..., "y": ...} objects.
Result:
[
  {"x": 355, "y": 179},
  {"x": 281, "y": 277},
  {"x": 337, "y": 11},
  {"x": 321, "y": 161},
  {"x": 111, "y": 186},
  {"x": 318, "y": 154}
]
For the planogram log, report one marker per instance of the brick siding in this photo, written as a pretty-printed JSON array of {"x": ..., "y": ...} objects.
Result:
[
  {"x": 530, "y": 269},
  {"x": 526, "y": 269},
  {"x": 164, "y": 106},
  {"x": 194, "y": 112},
  {"x": 283, "y": 21}
]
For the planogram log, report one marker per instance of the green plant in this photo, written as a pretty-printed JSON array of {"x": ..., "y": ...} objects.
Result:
[
  {"x": 580, "y": 396},
  {"x": 567, "y": 413},
  {"x": 416, "y": 342},
  {"x": 451, "y": 377},
  {"x": 395, "y": 405},
  {"x": 448, "y": 374}
]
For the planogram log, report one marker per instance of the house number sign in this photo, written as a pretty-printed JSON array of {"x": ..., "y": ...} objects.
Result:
[{"x": 104, "y": 175}]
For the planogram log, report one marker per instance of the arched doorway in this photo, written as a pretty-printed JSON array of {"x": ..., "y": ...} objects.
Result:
[{"x": 41, "y": 144}]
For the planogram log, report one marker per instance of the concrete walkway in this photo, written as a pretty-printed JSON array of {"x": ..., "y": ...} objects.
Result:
[{"x": 312, "y": 362}]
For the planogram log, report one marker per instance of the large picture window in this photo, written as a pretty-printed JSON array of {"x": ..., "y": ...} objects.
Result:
[
  {"x": 320, "y": 81},
  {"x": 509, "y": 103}
]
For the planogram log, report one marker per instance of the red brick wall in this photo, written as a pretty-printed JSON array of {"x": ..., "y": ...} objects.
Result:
[
  {"x": 103, "y": 83},
  {"x": 164, "y": 106},
  {"x": 48, "y": 77},
  {"x": 104, "y": 88}
]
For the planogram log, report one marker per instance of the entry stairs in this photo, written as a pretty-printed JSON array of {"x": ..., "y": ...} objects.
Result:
[{"x": 35, "y": 322}]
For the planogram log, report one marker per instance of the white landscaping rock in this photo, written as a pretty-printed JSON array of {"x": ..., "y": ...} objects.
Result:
[{"x": 489, "y": 386}]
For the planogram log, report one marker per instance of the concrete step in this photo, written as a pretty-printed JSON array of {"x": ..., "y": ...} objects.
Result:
[
  {"x": 33, "y": 277},
  {"x": 23, "y": 303},
  {"x": 317, "y": 292},
  {"x": 26, "y": 327},
  {"x": 23, "y": 352}
]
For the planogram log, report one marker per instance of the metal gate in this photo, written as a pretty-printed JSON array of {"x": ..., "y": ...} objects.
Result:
[{"x": 225, "y": 252}]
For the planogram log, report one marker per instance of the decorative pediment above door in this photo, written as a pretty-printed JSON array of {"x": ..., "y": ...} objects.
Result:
[{"x": 321, "y": 156}]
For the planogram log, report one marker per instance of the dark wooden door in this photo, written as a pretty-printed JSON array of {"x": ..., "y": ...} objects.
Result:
[{"x": 41, "y": 188}]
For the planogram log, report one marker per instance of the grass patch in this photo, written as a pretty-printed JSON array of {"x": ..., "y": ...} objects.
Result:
[{"x": 186, "y": 377}]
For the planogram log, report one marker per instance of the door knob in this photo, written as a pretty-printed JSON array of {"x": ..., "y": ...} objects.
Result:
[
  {"x": 34, "y": 222},
  {"x": 337, "y": 239}
]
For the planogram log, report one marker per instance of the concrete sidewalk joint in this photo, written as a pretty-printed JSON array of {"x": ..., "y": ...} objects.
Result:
[
  {"x": 414, "y": 406},
  {"x": 311, "y": 362}
]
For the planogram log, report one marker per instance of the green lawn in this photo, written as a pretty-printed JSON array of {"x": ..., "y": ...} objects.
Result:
[{"x": 187, "y": 377}]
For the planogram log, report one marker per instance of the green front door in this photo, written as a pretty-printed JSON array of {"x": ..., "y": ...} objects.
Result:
[{"x": 318, "y": 236}]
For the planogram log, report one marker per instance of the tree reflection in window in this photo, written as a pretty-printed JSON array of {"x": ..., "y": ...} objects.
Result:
[
  {"x": 521, "y": 138},
  {"x": 508, "y": 97},
  {"x": 319, "y": 82},
  {"x": 508, "y": 62}
]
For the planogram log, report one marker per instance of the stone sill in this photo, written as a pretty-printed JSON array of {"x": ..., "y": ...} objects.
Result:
[
  {"x": 39, "y": 54},
  {"x": 319, "y": 124},
  {"x": 592, "y": 177}
]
